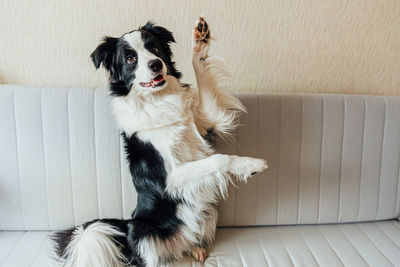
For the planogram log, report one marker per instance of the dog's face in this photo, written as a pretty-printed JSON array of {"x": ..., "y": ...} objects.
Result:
[{"x": 138, "y": 60}]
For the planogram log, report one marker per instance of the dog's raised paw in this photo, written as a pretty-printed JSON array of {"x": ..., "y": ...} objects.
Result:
[
  {"x": 201, "y": 34},
  {"x": 199, "y": 254}
]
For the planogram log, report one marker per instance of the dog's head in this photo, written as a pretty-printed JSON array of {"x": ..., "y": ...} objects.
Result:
[{"x": 138, "y": 60}]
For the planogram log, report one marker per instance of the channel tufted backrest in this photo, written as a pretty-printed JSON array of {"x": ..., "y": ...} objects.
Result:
[
  {"x": 61, "y": 161},
  {"x": 332, "y": 158}
]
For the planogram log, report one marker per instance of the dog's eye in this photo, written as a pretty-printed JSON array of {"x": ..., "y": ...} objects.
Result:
[
  {"x": 130, "y": 59},
  {"x": 155, "y": 50}
]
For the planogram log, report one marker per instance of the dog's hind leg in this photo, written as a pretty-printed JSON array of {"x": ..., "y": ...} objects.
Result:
[{"x": 217, "y": 110}]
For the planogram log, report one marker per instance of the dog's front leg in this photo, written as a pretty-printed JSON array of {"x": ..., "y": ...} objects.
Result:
[
  {"x": 217, "y": 109},
  {"x": 211, "y": 173}
]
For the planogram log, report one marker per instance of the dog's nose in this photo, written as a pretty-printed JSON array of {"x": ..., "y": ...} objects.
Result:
[{"x": 155, "y": 65}]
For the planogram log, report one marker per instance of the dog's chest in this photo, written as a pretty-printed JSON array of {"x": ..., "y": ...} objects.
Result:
[
  {"x": 171, "y": 143},
  {"x": 133, "y": 116},
  {"x": 166, "y": 123}
]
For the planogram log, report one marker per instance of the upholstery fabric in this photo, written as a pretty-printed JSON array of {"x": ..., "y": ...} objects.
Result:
[
  {"x": 332, "y": 158},
  {"x": 359, "y": 244}
]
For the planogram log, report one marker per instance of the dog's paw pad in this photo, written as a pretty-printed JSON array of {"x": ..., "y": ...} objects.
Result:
[
  {"x": 202, "y": 31},
  {"x": 201, "y": 34},
  {"x": 199, "y": 254}
]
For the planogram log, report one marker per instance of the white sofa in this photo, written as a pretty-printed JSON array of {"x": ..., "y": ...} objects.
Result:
[{"x": 330, "y": 197}]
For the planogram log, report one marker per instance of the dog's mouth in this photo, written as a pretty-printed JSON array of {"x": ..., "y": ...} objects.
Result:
[{"x": 157, "y": 81}]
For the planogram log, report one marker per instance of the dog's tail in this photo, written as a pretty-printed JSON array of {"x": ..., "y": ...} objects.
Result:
[{"x": 90, "y": 245}]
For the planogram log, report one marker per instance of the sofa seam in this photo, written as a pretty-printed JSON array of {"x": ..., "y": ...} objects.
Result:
[
  {"x": 95, "y": 153},
  {"x": 40, "y": 249},
  {"x": 388, "y": 236},
  {"x": 69, "y": 155},
  {"x": 284, "y": 245},
  {"x": 279, "y": 160},
  {"x": 362, "y": 158},
  {"x": 18, "y": 164},
  {"x": 299, "y": 176},
  {"x": 263, "y": 250},
  {"x": 240, "y": 254},
  {"x": 308, "y": 247},
  {"x": 320, "y": 160},
  {"x": 341, "y": 160},
  {"x": 352, "y": 245},
  {"x": 11, "y": 251},
  {"x": 373, "y": 243},
  {"x": 381, "y": 158},
  {"x": 44, "y": 158},
  {"x": 330, "y": 245}
]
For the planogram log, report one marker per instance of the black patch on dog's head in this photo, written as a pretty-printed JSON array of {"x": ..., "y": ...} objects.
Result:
[
  {"x": 103, "y": 54},
  {"x": 112, "y": 54},
  {"x": 156, "y": 34}
]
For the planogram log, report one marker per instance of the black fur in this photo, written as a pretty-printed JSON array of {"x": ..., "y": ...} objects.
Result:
[
  {"x": 61, "y": 240},
  {"x": 111, "y": 53},
  {"x": 155, "y": 213},
  {"x": 151, "y": 35}
]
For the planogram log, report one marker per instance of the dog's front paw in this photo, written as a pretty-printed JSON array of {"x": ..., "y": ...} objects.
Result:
[
  {"x": 201, "y": 35},
  {"x": 244, "y": 167}
]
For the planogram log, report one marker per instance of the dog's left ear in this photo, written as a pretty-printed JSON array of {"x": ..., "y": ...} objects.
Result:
[
  {"x": 103, "y": 54},
  {"x": 161, "y": 33}
]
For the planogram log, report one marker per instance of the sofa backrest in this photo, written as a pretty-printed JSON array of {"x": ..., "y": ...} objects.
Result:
[{"x": 332, "y": 158}]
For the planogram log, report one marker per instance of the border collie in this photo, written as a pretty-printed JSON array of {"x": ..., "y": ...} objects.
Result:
[{"x": 166, "y": 127}]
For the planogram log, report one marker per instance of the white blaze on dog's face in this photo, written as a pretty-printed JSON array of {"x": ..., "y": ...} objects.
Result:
[
  {"x": 139, "y": 60},
  {"x": 150, "y": 69}
]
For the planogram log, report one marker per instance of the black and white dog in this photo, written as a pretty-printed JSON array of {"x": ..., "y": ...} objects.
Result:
[{"x": 177, "y": 175}]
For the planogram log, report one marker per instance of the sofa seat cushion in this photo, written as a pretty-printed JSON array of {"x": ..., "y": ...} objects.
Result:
[{"x": 355, "y": 244}]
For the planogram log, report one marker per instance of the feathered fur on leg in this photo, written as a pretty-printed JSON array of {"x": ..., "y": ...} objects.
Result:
[{"x": 218, "y": 110}]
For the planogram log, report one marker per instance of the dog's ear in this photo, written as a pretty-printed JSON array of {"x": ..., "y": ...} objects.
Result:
[
  {"x": 161, "y": 33},
  {"x": 104, "y": 53}
]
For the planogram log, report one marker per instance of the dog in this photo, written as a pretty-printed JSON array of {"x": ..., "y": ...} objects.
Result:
[{"x": 166, "y": 127}]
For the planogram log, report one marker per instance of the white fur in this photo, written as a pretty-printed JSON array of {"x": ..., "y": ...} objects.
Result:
[
  {"x": 93, "y": 247},
  {"x": 143, "y": 73},
  {"x": 174, "y": 120}
]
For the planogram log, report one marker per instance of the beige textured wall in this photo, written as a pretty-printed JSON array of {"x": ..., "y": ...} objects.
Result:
[{"x": 334, "y": 46}]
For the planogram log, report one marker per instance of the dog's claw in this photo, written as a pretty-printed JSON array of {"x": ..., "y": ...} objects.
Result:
[{"x": 199, "y": 254}]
